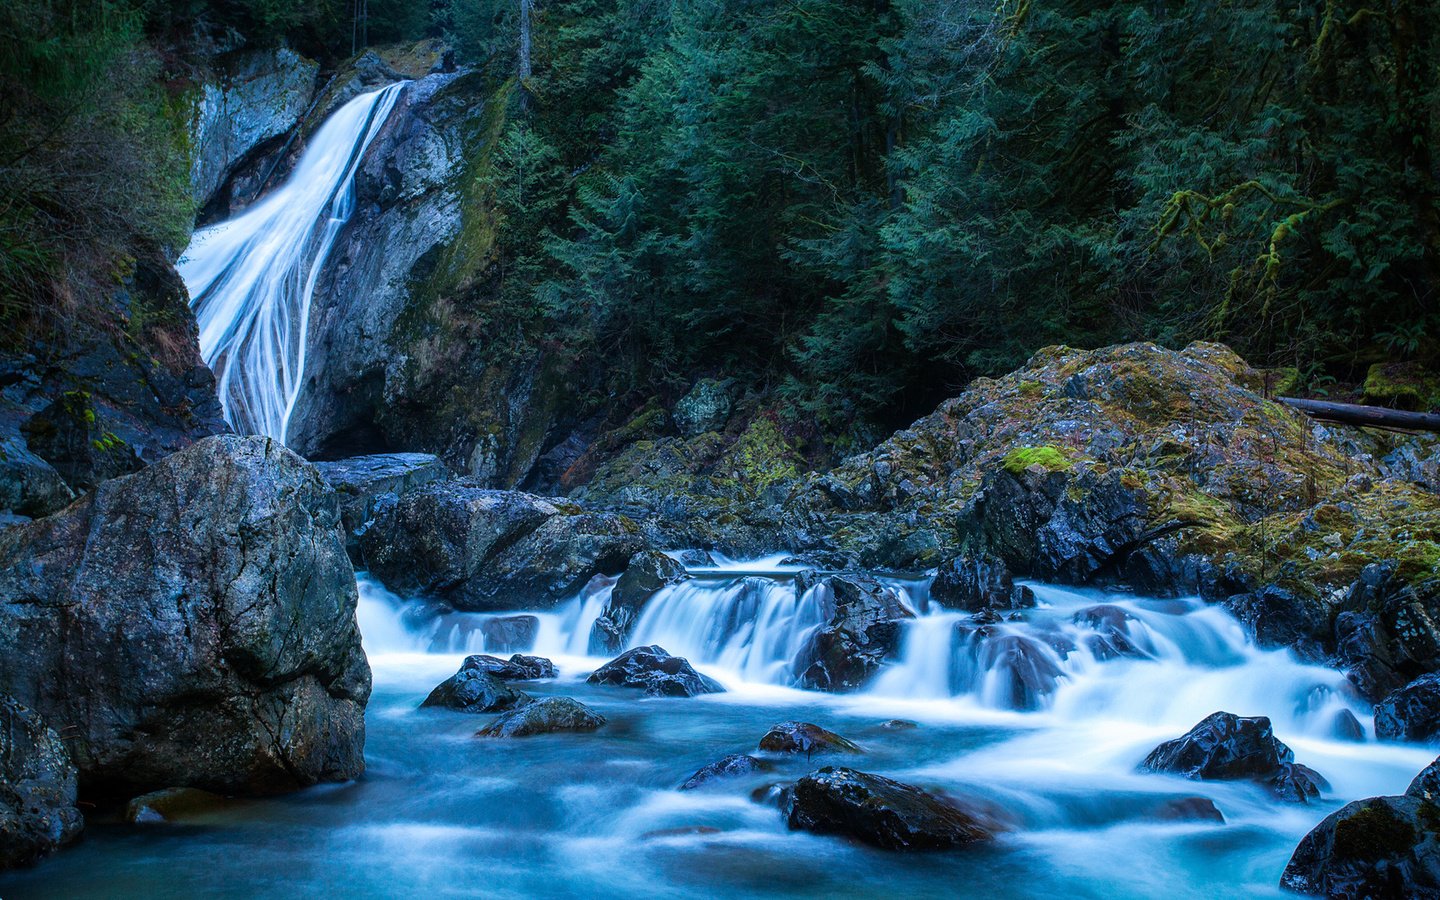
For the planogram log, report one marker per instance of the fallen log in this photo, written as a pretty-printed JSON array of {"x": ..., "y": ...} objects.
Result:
[{"x": 1366, "y": 416}]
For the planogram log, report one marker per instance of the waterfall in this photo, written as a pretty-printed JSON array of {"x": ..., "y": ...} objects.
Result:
[{"x": 251, "y": 279}]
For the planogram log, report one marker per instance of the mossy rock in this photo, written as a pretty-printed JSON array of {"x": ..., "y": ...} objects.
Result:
[
  {"x": 1408, "y": 386},
  {"x": 1051, "y": 459}
]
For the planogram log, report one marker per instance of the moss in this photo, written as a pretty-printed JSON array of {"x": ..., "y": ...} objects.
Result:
[
  {"x": 1402, "y": 386},
  {"x": 1051, "y": 459},
  {"x": 759, "y": 458},
  {"x": 1373, "y": 833},
  {"x": 1031, "y": 389}
]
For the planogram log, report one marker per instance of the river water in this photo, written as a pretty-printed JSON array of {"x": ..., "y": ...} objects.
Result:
[{"x": 443, "y": 813}]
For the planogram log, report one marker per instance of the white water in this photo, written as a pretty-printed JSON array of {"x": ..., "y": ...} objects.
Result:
[{"x": 251, "y": 279}]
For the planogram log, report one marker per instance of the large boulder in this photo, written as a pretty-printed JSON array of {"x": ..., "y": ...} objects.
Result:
[
  {"x": 657, "y": 672},
  {"x": 976, "y": 583},
  {"x": 863, "y": 624},
  {"x": 879, "y": 811},
  {"x": 1227, "y": 747},
  {"x": 472, "y": 689},
  {"x": 360, "y": 482},
  {"x": 1383, "y": 848},
  {"x": 37, "y": 788},
  {"x": 548, "y": 716},
  {"x": 192, "y": 624},
  {"x": 517, "y": 668},
  {"x": 706, "y": 408},
  {"x": 646, "y": 574},
  {"x": 482, "y": 549},
  {"x": 1412, "y": 713},
  {"x": 805, "y": 737},
  {"x": 1020, "y": 672}
]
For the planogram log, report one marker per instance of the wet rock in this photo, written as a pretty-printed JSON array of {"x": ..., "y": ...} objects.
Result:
[
  {"x": 548, "y": 716},
  {"x": 646, "y": 573},
  {"x": 37, "y": 788},
  {"x": 507, "y": 634},
  {"x": 806, "y": 738},
  {"x": 1024, "y": 666},
  {"x": 193, "y": 625},
  {"x": 474, "y": 690},
  {"x": 899, "y": 725},
  {"x": 481, "y": 549},
  {"x": 1189, "y": 809},
  {"x": 516, "y": 668},
  {"x": 1346, "y": 727},
  {"x": 772, "y": 794},
  {"x": 878, "y": 811},
  {"x": 1411, "y": 713},
  {"x": 1278, "y": 617},
  {"x": 697, "y": 559},
  {"x": 863, "y": 625},
  {"x": 731, "y": 766},
  {"x": 171, "y": 805},
  {"x": 360, "y": 482},
  {"x": 1228, "y": 747},
  {"x": 29, "y": 485},
  {"x": 976, "y": 583},
  {"x": 1383, "y": 847},
  {"x": 1426, "y": 785},
  {"x": 1112, "y": 632},
  {"x": 705, "y": 408},
  {"x": 657, "y": 672}
]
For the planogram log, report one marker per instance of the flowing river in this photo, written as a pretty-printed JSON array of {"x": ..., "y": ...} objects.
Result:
[{"x": 1042, "y": 723}]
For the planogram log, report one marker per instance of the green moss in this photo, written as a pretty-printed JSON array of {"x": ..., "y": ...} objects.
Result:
[
  {"x": 1031, "y": 389},
  {"x": 759, "y": 458},
  {"x": 1052, "y": 459},
  {"x": 1402, "y": 386},
  {"x": 1373, "y": 833}
]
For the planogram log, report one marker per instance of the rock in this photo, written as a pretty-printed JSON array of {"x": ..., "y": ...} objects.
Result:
[
  {"x": 683, "y": 831},
  {"x": 1346, "y": 727},
  {"x": 705, "y": 408},
  {"x": 479, "y": 549},
  {"x": 803, "y": 737},
  {"x": 646, "y": 573},
  {"x": 899, "y": 725},
  {"x": 697, "y": 559},
  {"x": 474, "y": 690},
  {"x": 1411, "y": 713},
  {"x": 878, "y": 811},
  {"x": 29, "y": 485},
  {"x": 1383, "y": 847},
  {"x": 192, "y": 624},
  {"x": 37, "y": 788},
  {"x": 516, "y": 668},
  {"x": 731, "y": 766},
  {"x": 506, "y": 634},
  {"x": 1189, "y": 809},
  {"x": 1278, "y": 617},
  {"x": 1112, "y": 632},
  {"x": 862, "y": 628},
  {"x": 973, "y": 584},
  {"x": 547, "y": 716},
  {"x": 659, "y": 673},
  {"x": 171, "y": 805},
  {"x": 1026, "y": 672},
  {"x": 1426, "y": 785},
  {"x": 361, "y": 481},
  {"x": 1227, "y": 747}
]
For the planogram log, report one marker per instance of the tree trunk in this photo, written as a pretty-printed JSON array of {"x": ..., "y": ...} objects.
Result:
[
  {"x": 1367, "y": 416},
  {"x": 524, "y": 67}
]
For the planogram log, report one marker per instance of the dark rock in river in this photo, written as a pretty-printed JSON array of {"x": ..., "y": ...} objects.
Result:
[
  {"x": 1112, "y": 631},
  {"x": 472, "y": 689},
  {"x": 1346, "y": 727},
  {"x": 1380, "y": 848},
  {"x": 1389, "y": 633},
  {"x": 731, "y": 766},
  {"x": 1412, "y": 713},
  {"x": 1188, "y": 809},
  {"x": 878, "y": 811},
  {"x": 553, "y": 714},
  {"x": 862, "y": 628},
  {"x": 192, "y": 624},
  {"x": 37, "y": 788},
  {"x": 803, "y": 737},
  {"x": 1227, "y": 747},
  {"x": 976, "y": 583},
  {"x": 646, "y": 573},
  {"x": 360, "y": 482},
  {"x": 1426, "y": 785},
  {"x": 507, "y": 634},
  {"x": 171, "y": 805},
  {"x": 481, "y": 549},
  {"x": 659, "y": 673},
  {"x": 516, "y": 668}
]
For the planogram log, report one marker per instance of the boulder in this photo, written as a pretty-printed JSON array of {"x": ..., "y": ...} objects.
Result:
[
  {"x": 975, "y": 583},
  {"x": 1426, "y": 785},
  {"x": 192, "y": 624},
  {"x": 1227, "y": 747},
  {"x": 888, "y": 814},
  {"x": 474, "y": 690},
  {"x": 553, "y": 714},
  {"x": 863, "y": 624},
  {"x": 1412, "y": 713},
  {"x": 657, "y": 672},
  {"x": 516, "y": 668},
  {"x": 1188, "y": 809},
  {"x": 731, "y": 766},
  {"x": 706, "y": 408},
  {"x": 1111, "y": 625},
  {"x": 29, "y": 486},
  {"x": 507, "y": 634},
  {"x": 1380, "y": 848},
  {"x": 480, "y": 549},
  {"x": 806, "y": 738},
  {"x": 1026, "y": 672},
  {"x": 37, "y": 788},
  {"x": 171, "y": 805},
  {"x": 646, "y": 573},
  {"x": 360, "y": 482}
]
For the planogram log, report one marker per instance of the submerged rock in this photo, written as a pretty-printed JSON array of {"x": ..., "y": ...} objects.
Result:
[
  {"x": 171, "y": 805},
  {"x": 804, "y": 737},
  {"x": 862, "y": 628},
  {"x": 659, "y": 673},
  {"x": 553, "y": 714},
  {"x": 1412, "y": 713},
  {"x": 1189, "y": 809},
  {"x": 1227, "y": 747},
  {"x": 1111, "y": 639},
  {"x": 192, "y": 624},
  {"x": 474, "y": 690},
  {"x": 516, "y": 668},
  {"x": 37, "y": 788},
  {"x": 888, "y": 814},
  {"x": 1380, "y": 848},
  {"x": 731, "y": 766},
  {"x": 646, "y": 573}
]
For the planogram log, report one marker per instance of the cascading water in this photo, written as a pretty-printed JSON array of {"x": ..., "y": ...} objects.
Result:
[{"x": 251, "y": 279}]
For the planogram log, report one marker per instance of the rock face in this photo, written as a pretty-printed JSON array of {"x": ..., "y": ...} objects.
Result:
[
  {"x": 862, "y": 627},
  {"x": 973, "y": 584},
  {"x": 806, "y": 738},
  {"x": 706, "y": 408},
  {"x": 1228, "y": 747},
  {"x": 362, "y": 481},
  {"x": 878, "y": 811},
  {"x": 734, "y": 765},
  {"x": 192, "y": 624},
  {"x": 479, "y": 549},
  {"x": 553, "y": 714},
  {"x": 474, "y": 690},
  {"x": 646, "y": 573},
  {"x": 1411, "y": 713},
  {"x": 657, "y": 672},
  {"x": 37, "y": 788},
  {"x": 1381, "y": 848}
]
